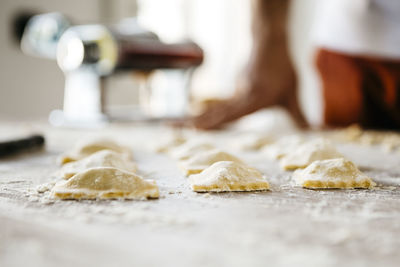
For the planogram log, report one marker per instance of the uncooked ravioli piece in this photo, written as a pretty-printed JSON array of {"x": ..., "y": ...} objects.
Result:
[
  {"x": 200, "y": 161},
  {"x": 224, "y": 176},
  {"x": 189, "y": 149},
  {"x": 389, "y": 140},
  {"x": 252, "y": 141},
  {"x": 86, "y": 148},
  {"x": 283, "y": 146},
  {"x": 309, "y": 152},
  {"x": 332, "y": 173},
  {"x": 102, "y": 158},
  {"x": 105, "y": 183},
  {"x": 170, "y": 144}
]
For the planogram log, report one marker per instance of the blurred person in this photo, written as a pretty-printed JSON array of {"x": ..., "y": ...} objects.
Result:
[{"x": 357, "y": 59}]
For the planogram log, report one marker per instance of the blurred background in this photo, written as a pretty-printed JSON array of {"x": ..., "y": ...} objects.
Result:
[{"x": 31, "y": 87}]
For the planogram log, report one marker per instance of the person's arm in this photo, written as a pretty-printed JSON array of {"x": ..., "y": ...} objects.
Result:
[{"x": 269, "y": 79}]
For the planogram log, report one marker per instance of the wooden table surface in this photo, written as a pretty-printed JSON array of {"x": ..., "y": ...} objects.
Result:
[{"x": 287, "y": 226}]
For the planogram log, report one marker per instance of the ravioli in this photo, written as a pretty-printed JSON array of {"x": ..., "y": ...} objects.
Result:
[
  {"x": 87, "y": 148},
  {"x": 105, "y": 183},
  {"x": 283, "y": 146},
  {"x": 252, "y": 141},
  {"x": 170, "y": 144},
  {"x": 332, "y": 173},
  {"x": 306, "y": 153},
  {"x": 102, "y": 158},
  {"x": 200, "y": 161},
  {"x": 224, "y": 176},
  {"x": 187, "y": 150}
]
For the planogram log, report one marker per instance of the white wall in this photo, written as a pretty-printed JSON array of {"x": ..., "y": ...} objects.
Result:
[{"x": 303, "y": 53}]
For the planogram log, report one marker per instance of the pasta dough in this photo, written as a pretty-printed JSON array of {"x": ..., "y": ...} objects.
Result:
[
  {"x": 309, "y": 152},
  {"x": 252, "y": 141},
  {"x": 226, "y": 176},
  {"x": 390, "y": 141},
  {"x": 84, "y": 149},
  {"x": 201, "y": 161},
  {"x": 105, "y": 183},
  {"x": 283, "y": 146},
  {"x": 187, "y": 150},
  {"x": 332, "y": 173},
  {"x": 102, "y": 158},
  {"x": 170, "y": 144}
]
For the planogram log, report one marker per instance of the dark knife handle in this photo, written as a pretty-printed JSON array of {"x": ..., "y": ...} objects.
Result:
[{"x": 13, "y": 147}]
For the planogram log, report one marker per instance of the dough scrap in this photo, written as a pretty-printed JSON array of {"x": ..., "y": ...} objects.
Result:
[
  {"x": 224, "y": 176},
  {"x": 198, "y": 162},
  {"x": 86, "y": 148},
  {"x": 332, "y": 173},
  {"x": 189, "y": 149},
  {"x": 105, "y": 183},
  {"x": 283, "y": 146},
  {"x": 102, "y": 158},
  {"x": 309, "y": 152}
]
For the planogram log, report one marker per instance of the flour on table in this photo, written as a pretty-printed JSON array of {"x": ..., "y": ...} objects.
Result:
[
  {"x": 87, "y": 148},
  {"x": 305, "y": 154},
  {"x": 198, "y": 162},
  {"x": 332, "y": 173},
  {"x": 105, "y": 183},
  {"x": 189, "y": 149},
  {"x": 226, "y": 176},
  {"x": 42, "y": 188},
  {"x": 283, "y": 146},
  {"x": 102, "y": 158}
]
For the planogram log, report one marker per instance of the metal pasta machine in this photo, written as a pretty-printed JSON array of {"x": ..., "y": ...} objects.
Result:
[{"x": 88, "y": 54}]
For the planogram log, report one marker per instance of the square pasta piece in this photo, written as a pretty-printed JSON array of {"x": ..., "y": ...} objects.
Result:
[
  {"x": 167, "y": 145},
  {"x": 86, "y": 148},
  {"x": 102, "y": 158},
  {"x": 332, "y": 173},
  {"x": 189, "y": 149},
  {"x": 200, "y": 161},
  {"x": 305, "y": 154},
  {"x": 225, "y": 176},
  {"x": 251, "y": 141},
  {"x": 105, "y": 183},
  {"x": 283, "y": 146}
]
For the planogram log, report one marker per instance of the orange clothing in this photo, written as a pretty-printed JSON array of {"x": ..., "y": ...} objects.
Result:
[{"x": 360, "y": 90}]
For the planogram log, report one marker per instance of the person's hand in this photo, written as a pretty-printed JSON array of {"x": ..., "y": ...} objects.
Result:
[
  {"x": 270, "y": 82},
  {"x": 269, "y": 79}
]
